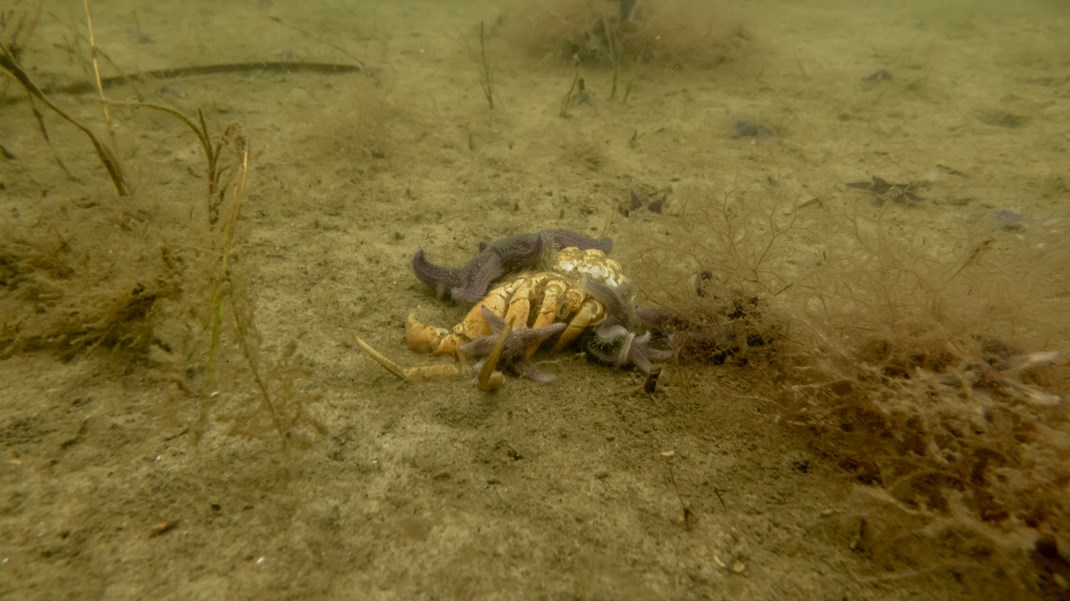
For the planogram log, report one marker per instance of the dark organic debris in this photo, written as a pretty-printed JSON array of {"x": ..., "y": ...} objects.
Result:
[
  {"x": 650, "y": 386},
  {"x": 884, "y": 191},
  {"x": 1010, "y": 221},
  {"x": 729, "y": 333},
  {"x": 752, "y": 129},
  {"x": 999, "y": 118},
  {"x": 878, "y": 76},
  {"x": 657, "y": 205},
  {"x": 950, "y": 170}
]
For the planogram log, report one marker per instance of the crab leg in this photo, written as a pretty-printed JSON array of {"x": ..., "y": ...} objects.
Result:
[
  {"x": 489, "y": 379},
  {"x": 589, "y": 314},
  {"x": 423, "y": 373}
]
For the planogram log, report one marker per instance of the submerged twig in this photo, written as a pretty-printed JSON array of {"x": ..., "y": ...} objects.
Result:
[
  {"x": 82, "y": 87},
  {"x": 484, "y": 73},
  {"x": 9, "y": 65}
]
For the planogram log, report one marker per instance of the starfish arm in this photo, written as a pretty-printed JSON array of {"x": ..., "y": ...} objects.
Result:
[
  {"x": 480, "y": 347},
  {"x": 638, "y": 358},
  {"x": 643, "y": 355},
  {"x": 524, "y": 251},
  {"x": 614, "y": 345},
  {"x": 477, "y": 277},
  {"x": 492, "y": 319},
  {"x": 609, "y": 344},
  {"x": 515, "y": 344},
  {"x": 539, "y": 335},
  {"x": 438, "y": 277},
  {"x": 563, "y": 238},
  {"x": 495, "y": 259}
]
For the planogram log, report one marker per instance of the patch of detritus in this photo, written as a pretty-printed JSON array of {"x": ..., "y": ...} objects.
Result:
[
  {"x": 921, "y": 368},
  {"x": 919, "y": 364},
  {"x": 668, "y": 33},
  {"x": 884, "y": 191}
]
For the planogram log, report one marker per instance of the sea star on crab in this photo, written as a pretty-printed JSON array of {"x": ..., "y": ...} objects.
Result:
[
  {"x": 495, "y": 259},
  {"x": 552, "y": 284}
]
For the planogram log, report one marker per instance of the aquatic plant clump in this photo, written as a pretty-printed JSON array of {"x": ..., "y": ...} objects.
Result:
[{"x": 927, "y": 370}]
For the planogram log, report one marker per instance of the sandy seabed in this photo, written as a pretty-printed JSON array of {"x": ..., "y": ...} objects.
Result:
[{"x": 584, "y": 488}]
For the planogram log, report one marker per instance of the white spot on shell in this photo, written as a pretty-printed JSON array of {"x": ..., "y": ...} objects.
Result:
[{"x": 593, "y": 264}]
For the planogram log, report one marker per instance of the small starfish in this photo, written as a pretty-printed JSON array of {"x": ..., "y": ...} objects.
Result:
[
  {"x": 513, "y": 349},
  {"x": 616, "y": 345},
  {"x": 525, "y": 251},
  {"x": 615, "y": 341}
]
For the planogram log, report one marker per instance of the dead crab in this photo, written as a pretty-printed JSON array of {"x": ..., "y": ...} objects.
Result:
[{"x": 551, "y": 284}]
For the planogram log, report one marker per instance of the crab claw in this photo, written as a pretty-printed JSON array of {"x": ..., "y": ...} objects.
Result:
[{"x": 423, "y": 373}]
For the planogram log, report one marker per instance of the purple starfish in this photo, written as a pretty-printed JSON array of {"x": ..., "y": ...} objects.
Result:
[
  {"x": 616, "y": 345},
  {"x": 525, "y": 251},
  {"x": 517, "y": 343}
]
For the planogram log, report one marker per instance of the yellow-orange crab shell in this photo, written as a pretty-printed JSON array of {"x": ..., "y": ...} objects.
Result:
[{"x": 532, "y": 299}]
